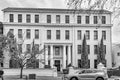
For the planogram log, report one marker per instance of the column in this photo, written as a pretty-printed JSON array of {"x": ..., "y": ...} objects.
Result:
[
  {"x": 46, "y": 55},
  {"x": 51, "y": 56},
  {"x": 64, "y": 57},
  {"x": 69, "y": 54}
]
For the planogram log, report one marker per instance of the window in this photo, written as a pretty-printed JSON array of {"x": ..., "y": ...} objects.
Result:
[
  {"x": 67, "y": 34},
  {"x": 79, "y": 34},
  {"x": 104, "y": 48},
  {"x": 57, "y": 18},
  {"x": 49, "y": 62},
  {"x": 48, "y": 50},
  {"x": 11, "y": 17},
  {"x": 103, "y": 19},
  {"x": 88, "y": 63},
  {"x": 36, "y": 34},
  {"x": 67, "y": 19},
  {"x": 87, "y": 19},
  {"x": 48, "y": 18},
  {"x": 79, "y": 49},
  {"x": 95, "y": 20},
  {"x": 48, "y": 34},
  {"x": 87, "y": 35},
  {"x": 104, "y": 35},
  {"x": 32, "y": 63},
  {"x": 12, "y": 31},
  {"x": 79, "y": 19},
  {"x": 57, "y": 51},
  {"x": 36, "y": 18},
  {"x": 118, "y": 54},
  {"x": 95, "y": 35},
  {"x": 28, "y": 18},
  {"x": 36, "y": 49},
  {"x": 79, "y": 63},
  {"x": 57, "y": 34},
  {"x": 19, "y": 33},
  {"x": 20, "y": 48},
  {"x": 95, "y": 63},
  {"x": 28, "y": 34},
  {"x": 28, "y": 48},
  {"x": 19, "y": 17},
  {"x": 88, "y": 49},
  {"x": 95, "y": 49}
]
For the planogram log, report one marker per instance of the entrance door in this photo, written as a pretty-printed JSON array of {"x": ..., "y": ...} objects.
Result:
[{"x": 57, "y": 64}]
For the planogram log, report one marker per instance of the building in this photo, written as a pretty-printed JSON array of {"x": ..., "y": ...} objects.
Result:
[
  {"x": 116, "y": 54},
  {"x": 61, "y": 31}
]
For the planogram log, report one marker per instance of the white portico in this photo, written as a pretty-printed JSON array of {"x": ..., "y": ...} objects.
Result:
[{"x": 58, "y": 55}]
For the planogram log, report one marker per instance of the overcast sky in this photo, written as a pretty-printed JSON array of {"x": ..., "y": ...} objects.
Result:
[{"x": 50, "y": 4}]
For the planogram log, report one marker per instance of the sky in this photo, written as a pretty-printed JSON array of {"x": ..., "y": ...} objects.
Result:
[{"x": 52, "y": 4}]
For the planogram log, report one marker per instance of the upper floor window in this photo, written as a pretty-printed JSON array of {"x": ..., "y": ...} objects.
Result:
[
  {"x": 95, "y": 19},
  {"x": 19, "y": 33},
  {"x": 57, "y": 34},
  {"x": 11, "y": 17},
  {"x": 48, "y": 18},
  {"x": 36, "y": 18},
  {"x": 48, "y": 34},
  {"x": 57, "y": 18},
  {"x": 19, "y": 17},
  {"x": 67, "y": 19},
  {"x": 28, "y": 18},
  {"x": 67, "y": 34},
  {"x": 36, "y": 34},
  {"x": 79, "y": 19},
  {"x": 103, "y": 19},
  {"x": 87, "y": 19},
  {"x": 79, "y": 48},
  {"x": 95, "y": 35},
  {"x": 104, "y": 35},
  {"x": 79, "y": 34},
  {"x": 28, "y": 34},
  {"x": 87, "y": 34}
]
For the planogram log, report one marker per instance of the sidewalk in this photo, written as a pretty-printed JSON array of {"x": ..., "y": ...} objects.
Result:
[{"x": 37, "y": 78}]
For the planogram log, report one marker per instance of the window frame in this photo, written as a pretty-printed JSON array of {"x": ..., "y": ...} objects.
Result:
[
  {"x": 36, "y": 18},
  {"x": 67, "y": 19},
  {"x": 11, "y": 17},
  {"x": 19, "y": 18},
  {"x": 48, "y": 18},
  {"x": 28, "y": 33},
  {"x": 28, "y": 18},
  {"x": 67, "y": 34},
  {"x": 58, "y": 34},
  {"x": 36, "y": 33}
]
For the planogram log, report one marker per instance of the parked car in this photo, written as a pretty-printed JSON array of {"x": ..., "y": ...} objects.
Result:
[
  {"x": 115, "y": 71},
  {"x": 88, "y": 74}
]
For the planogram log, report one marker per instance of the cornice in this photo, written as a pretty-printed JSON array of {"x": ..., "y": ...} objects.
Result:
[
  {"x": 54, "y": 10},
  {"x": 57, "y": 25}
]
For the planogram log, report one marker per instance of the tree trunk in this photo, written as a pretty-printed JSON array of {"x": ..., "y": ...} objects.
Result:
[{"x": 21, "y": 72}]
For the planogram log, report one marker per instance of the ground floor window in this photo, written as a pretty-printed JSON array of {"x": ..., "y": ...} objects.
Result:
[
  {"x": 32, "y": 63},
  {"x": 13, "y": 63},
  {"x": 79, "y": 63}
]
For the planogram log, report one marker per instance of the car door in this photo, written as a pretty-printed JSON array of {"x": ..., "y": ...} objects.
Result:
[{"x": 86, "y": 75}]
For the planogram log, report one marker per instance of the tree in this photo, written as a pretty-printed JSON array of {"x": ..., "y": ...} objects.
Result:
[
  {"x": 101, "y": 53},
  {"x": 19, "y": 57},
  {"x": 84, "y": 54}
]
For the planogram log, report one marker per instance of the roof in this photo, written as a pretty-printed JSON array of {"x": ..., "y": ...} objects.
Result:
[{"x": 53, "y": 10}]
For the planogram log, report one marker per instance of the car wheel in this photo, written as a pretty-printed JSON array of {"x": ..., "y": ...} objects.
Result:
[
  {"x": 99, "y": 79},
  {"x": 73, "y": 78}
]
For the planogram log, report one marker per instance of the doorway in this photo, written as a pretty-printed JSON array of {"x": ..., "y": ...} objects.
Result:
[{"x": 57, "y": 64}]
